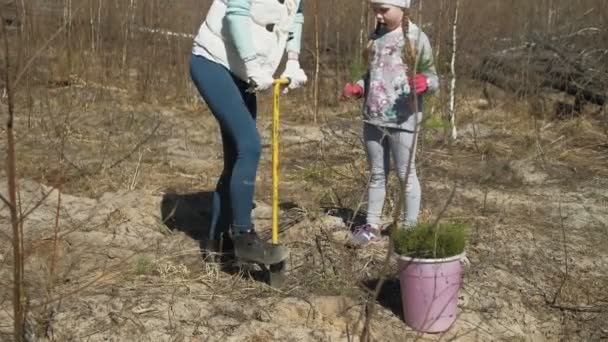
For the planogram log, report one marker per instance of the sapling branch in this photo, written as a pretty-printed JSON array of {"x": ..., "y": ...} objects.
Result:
[
  {"x": 440, "y": 215},
  {"x": 18, "y": 286},
  {"x": 412, "y": 61}
]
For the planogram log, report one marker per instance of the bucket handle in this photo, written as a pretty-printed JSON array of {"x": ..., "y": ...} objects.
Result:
[{"x": 465, "y": 262}]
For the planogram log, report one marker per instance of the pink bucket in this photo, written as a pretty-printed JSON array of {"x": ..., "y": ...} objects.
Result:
[{"x": 429, "y": 291}]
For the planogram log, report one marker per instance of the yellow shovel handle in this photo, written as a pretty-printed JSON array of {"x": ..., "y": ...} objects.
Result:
[{"x": 275, "y": 157}]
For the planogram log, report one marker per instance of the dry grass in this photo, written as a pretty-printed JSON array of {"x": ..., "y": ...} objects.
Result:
[{"x": 501, "y": 161}]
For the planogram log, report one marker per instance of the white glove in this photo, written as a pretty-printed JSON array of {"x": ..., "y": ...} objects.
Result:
[
  {"x": 259, "y": 76},
  {"x": 294, "y": 72}
]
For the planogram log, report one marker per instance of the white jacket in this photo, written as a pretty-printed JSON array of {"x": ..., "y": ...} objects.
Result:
[{"x": 271, "y": 22}]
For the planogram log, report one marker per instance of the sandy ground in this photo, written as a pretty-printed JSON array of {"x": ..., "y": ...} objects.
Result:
[{"x": 135, "y": 203}]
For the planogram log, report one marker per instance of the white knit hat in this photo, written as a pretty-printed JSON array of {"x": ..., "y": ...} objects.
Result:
[{"x": 398, "y": 3}]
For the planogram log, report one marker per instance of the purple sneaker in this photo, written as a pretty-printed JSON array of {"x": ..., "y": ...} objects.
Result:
[{"x": 364, "y": 234}]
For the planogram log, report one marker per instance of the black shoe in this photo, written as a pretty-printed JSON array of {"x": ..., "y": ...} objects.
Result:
[
  {"x": 249, "y": 247},
  {"x": 221, "y": 250},
  {"x": 226, "y": 244}
]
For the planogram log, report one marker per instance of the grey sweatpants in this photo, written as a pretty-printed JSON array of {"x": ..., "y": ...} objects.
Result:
[{"x": 380, "y": 143}]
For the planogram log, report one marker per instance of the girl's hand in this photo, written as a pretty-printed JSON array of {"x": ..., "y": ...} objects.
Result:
[
  {"x": 352, "y": 90},
  {"x": 419, "y": 83}
]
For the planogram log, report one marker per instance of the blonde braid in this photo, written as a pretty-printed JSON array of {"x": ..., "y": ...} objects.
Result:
[
  {"x": 410, "y": 58},
  {"x": 409, "y": 49},
  {"x": 369, "y": 47},
  {"x": 367, "y": 51}
]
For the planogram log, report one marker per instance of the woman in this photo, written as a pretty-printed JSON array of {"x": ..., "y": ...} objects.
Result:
[{"x": 237, "y": 50}]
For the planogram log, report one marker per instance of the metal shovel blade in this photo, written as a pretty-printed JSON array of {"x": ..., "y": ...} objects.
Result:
[{"x": 276, "y": 274}]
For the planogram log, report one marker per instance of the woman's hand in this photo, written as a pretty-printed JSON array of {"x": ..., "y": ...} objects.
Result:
[
  {"x": 260, "y": 78},
  {"x": 293, "y": 71}
]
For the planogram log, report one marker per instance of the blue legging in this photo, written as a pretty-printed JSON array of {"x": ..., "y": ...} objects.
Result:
[{"x": 235, "y": 111}]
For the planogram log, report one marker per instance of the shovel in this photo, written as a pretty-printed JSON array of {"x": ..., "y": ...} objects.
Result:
[{"x": 276, "y": 272}]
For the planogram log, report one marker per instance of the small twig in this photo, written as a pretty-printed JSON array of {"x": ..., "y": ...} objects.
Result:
[
  {"x": 137, "y": 147},
  {"x": 320, "y": 249},
  {"x": 485, "y": 201},
  {"x": 565, "y": 246},
  {"x": 539, "y": 147},
  {"x": 331, "y": 261},
  {"x": 8, "y": 204},
  {"x": 55, "y": 240},
  {"x": 587, "y": 30},
  {"x": 445, "y": 207},
  {"x": 581, "y": 308},
  {"x": 136, "y": 173},
  {"x": 475, "y": 138},
  {"x": 5, "y": 235},
  {"x": 41, "y": 201},
  {"x": 143, "y": 310}
]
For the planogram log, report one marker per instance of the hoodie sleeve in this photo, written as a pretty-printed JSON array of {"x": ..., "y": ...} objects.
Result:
[
  {"x": 238, "y": 24},
  {"x": 294, "y": 42},
  {"x": 425, "y": 56},
  {"x": 362, "y": 82}
]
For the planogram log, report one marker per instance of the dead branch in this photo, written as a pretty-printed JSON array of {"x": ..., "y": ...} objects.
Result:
[{"x": 542, "y": 64}]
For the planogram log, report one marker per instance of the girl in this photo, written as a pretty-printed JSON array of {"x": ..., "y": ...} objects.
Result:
[
  {"x": 390, "y": 121},
  {"x": 237, "y": 49}
]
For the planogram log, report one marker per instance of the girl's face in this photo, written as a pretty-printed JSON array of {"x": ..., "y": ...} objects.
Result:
[{"x": 388, "y": 15}]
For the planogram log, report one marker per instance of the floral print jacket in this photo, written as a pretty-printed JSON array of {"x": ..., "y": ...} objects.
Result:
[{"x": 387, "y": 90}]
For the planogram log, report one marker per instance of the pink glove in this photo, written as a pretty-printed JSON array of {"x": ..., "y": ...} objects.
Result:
[
  {"x": 420, "y": 83},
  {"x": 352, "y": 90}
]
